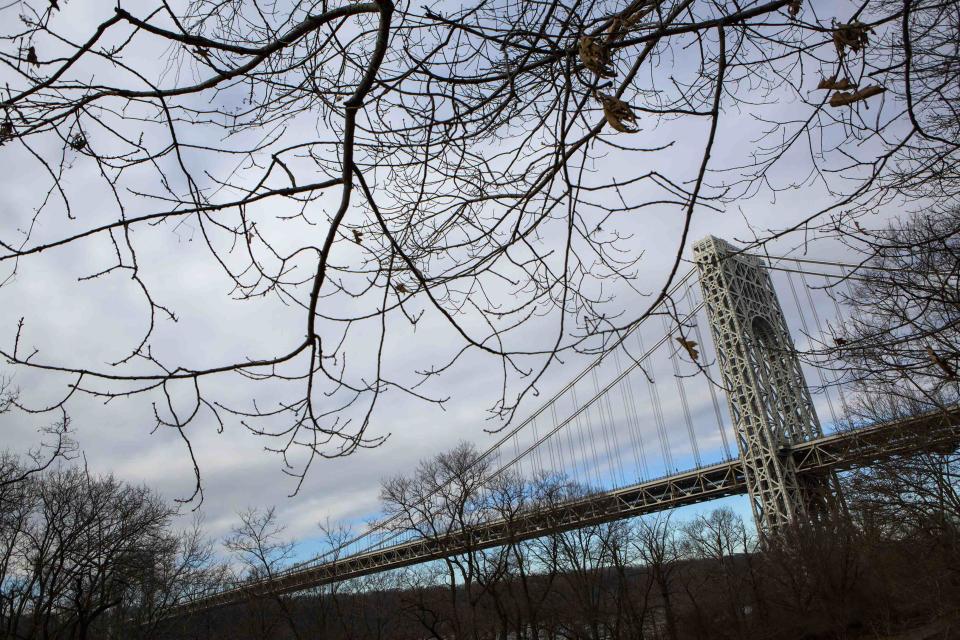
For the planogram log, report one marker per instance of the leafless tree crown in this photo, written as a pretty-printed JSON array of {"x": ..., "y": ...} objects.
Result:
[{"x": 480, "y": 170}]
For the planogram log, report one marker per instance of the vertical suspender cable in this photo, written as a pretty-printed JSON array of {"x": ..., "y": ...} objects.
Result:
[
  {"x": 713, "y": 392},
  {"x": 583, "y": 446},
  {"x": 631, "y": 416},
  {"x": 806, "y": 330},
  {"x": 816, "y": 320},
  {"x": 636, "y": 418},
  {"x": 690, "y": 303},
  {"x": 609, "y": 434},
  {"x": 565, "y": 467},
  {"x": 662, "y": 427},
  {"x": 602, "y": 426},
  {"x": 538, "y": 451},
  {"x": 839, "y": 314},
  {"x": 583, "y": 422},
  {"x": 658, "y": 416},
  {"x": 613, "y": 433},
  {"x": 682, "y": 392},
  {"x": 516, "y": 451}
]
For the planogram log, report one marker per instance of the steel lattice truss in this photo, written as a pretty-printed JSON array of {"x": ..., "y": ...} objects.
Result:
[{"x": 766, "y": 391}]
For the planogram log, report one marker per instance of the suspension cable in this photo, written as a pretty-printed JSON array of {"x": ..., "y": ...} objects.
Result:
[
  {"x": 806, "y": 330},
  {"x": 718, "y": 414}
]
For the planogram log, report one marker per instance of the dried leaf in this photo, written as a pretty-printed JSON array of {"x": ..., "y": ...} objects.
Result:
[
  {"x": 617, "y": 113},
  {"x": 853, "y": 36},
  {"x": 836, "y": 85},
  {"x": 622, "y": 23},
  {"x": 840, "y": 342},
  {"x": 596, "y": 57},
  {"x": 32, "y": 56},
  {"x": 617, "y": 27},
  {"x": 690, "y": 346},
  {"x": 843, "y": 98},
  {"x": 357, "y": 236},
  {"x": 943, "y": 364},
  {"x": 6, "y": 131}
]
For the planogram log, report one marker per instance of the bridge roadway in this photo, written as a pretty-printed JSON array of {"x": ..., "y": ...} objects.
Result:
[{"x": 839, "y": 451}]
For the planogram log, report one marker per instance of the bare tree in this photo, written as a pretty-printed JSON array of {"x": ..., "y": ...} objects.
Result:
[
  {"x": 184, "y": 563},
  {"x": 658, "y": 549},
  {"x": 380, "y": 167},
  {"x": 258, "y": 544},
  {"x": 79, "y": 550},
  {"x": 538, "y": 561},
  {"x": 906, "y": 495},
  {"x": 17, "y": 505},
  {"x": 448, "y": 494},
  {"x": 901, "y": 349},
  {"x": 56, "y": 444},
  {"x": 631, "y": 587},
  {"x": 817, "y": 575},
  {"x": 720, "y": 537},
  {"x": 901, "y": 345},
  {"x": 426, "y": 603}
]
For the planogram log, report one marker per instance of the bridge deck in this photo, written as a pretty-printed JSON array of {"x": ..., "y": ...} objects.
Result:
[{"x": 843, "y": 450}]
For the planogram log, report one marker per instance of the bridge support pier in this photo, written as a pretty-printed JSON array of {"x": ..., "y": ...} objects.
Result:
[{"x": 767, "y": 395}]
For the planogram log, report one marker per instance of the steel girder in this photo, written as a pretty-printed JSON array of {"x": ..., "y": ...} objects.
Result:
[
  {"x": 864, "y": 446},
  {"x": 688, "y": 487},
  {"x": 816, "y": 458}
]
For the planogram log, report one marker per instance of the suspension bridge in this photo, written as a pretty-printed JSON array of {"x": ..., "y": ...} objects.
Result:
[{"x": 642, "y": 428}]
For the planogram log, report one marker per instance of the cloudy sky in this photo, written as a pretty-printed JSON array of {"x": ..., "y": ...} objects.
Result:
[{"x": 92, "y": 323}]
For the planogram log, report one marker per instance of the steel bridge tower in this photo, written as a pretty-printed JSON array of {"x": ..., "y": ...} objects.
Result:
[{"x": 767, "y": 395}]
